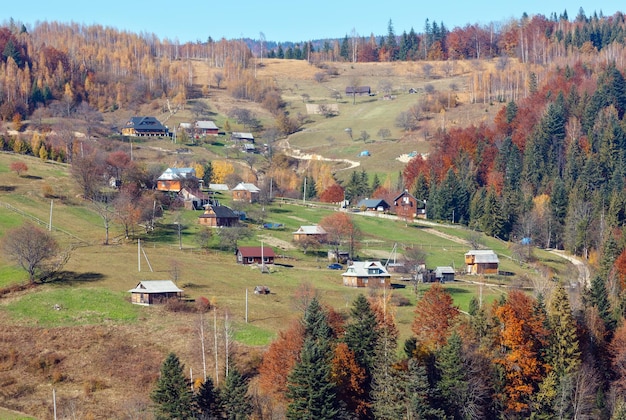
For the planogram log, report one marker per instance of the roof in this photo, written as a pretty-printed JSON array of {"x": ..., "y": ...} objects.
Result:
[
  {"x": 222, "y": 212},
  {"x": 194, "y": 193},
  {"x": 444, "y": 270},
  {"x": 483, "y": 256},
  {"x": 156, "y": 286},
  {"x": 255, "y": 251},
  {"x": 246, "y": 186},
  {"x": 206, "y": 125},
  {"x": 218, "y": 187},
  {"x": 366, "y": 269},
  {"x": 240, "y": 135},
  {"x": 311, "y": 230},
  {"x": 171, "y": 174},
  {"x": 372, "y": 203},
  {"x": 404, "y": 193},
  {"x": 146, "y": 123}
]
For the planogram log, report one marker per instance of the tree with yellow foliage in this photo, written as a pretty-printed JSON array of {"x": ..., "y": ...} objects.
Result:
[{"x": 221, "y": 169}]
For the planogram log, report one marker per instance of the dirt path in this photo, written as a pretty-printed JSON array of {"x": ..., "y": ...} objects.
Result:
[
  {"x": 297, "y": 154},
  {"x": 584, "y": 275}
]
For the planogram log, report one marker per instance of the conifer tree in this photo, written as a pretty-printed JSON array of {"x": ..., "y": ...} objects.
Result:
[
  {"x": 564, "y": 353},
  {"x": 419, "y": 393},
  {"x": 235, "y": 402},
  {"x": 207, "y": 400},
  {"x": 172, "y": 394},
  {"x": 310, "y": 390}
]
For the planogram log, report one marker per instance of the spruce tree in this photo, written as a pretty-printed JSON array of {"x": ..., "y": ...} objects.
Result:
[
  {"x": 172, "y": 394},
  {"x": 419, "y": 393},
  {"x": 309, "y": 386},
  {"x": 453, "y": 381},
  {"x": 564, "y": 353},
  {"x": 207, "y": 400},
  {"x": 236, "y": 403}
]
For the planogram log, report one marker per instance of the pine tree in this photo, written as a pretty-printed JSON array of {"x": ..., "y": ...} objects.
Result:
[
  {"x": 236, "y": 403},
  {"x": 310, "y": 390},
  {"x": 564, "y": 353},
  {"x": 172, "y": 394},
  {"x": 598, "y": 297},
  {"x": 375, "y": 183}
]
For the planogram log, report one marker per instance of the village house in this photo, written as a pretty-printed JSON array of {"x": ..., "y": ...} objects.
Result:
[
  {"x": 373, "y": 204},
  {"x": 481, "y": 261},
  {"x": 174, "y": 179},
  {"x": 245, "y": 191},
  {"x": 218, "y": 216},
  {"x": 149, "y": 292},
  {"x": 406, "y": 206},
  {"x": 205, "y": 128},
  {"x": 306, "y": 232},
  {"x": 144, "y": 127},
  {"x": 255, "y": 255},
  {"x": 366, "y": 274},
  {"x": 195, "y": 199}
]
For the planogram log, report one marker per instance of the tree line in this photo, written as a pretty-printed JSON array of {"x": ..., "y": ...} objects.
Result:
[{"x": 522, "y": 356}]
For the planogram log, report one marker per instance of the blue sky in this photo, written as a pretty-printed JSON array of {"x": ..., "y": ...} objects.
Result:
[{"x": 281, "y": 21}]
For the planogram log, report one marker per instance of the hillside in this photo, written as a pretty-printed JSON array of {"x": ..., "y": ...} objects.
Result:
[{"x": 101, "y": 354}]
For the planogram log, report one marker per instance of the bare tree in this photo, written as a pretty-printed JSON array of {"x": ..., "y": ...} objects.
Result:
[
  {"x": 104, "y": 208},
  {"x": 384, "y": 133},
  {"x": 31, "y": 247},
  {"x": 218, "y": 76}
]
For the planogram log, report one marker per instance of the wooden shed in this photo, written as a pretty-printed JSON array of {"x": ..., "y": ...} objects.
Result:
[{"x": 149, "y": 292}]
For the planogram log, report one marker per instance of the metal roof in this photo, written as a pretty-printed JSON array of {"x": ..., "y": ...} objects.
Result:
[
  {"x": 171, "y": 174},
  {"x": 311, "y": 230},
  {"x": 206, "y": 125},
  {"x": 484, "y": 256},
  {"x": 156, "y": 286},
  {"x": 246, "y": 186},
  {"x": 366, "y": 269}
]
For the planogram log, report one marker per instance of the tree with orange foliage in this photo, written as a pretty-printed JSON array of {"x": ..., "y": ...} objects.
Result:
[
  {"x": 350, "y": 379},
  {"x": 434, "y": 314},
  {"x": 333, "y": 194},
  {"x": 617, "y": 351},
  {"x": 278, "y": 361},
  {"x": 522, "y": 338},
  {"x": 18, "y": 167}
]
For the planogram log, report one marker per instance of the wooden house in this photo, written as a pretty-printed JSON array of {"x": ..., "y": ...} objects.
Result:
[
  {"x": 306, "y": 232},
  {"x": 144, "y": 127},
  {"x": 174, "y": 179},
  {"x": 481, "y": 261},
  {"x": 373, "y": 204},
  {"x": 366, "y": 274},
  {"x": 195, "y": 199},
  {"x": 406, "y": 206},
  {"x": 444, "y": 274},
  {"x": 358, "y": 90},
  {"x": 245, "y": 191},
  {"x": 218, "y": 216},
  {"x": 205, "y": 128},
  {"x": 149, "y": 292},
  {"x": 255, "y": 255}
]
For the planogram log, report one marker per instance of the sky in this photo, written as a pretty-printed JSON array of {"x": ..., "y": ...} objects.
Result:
[{"x": 280, "y": 21}]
